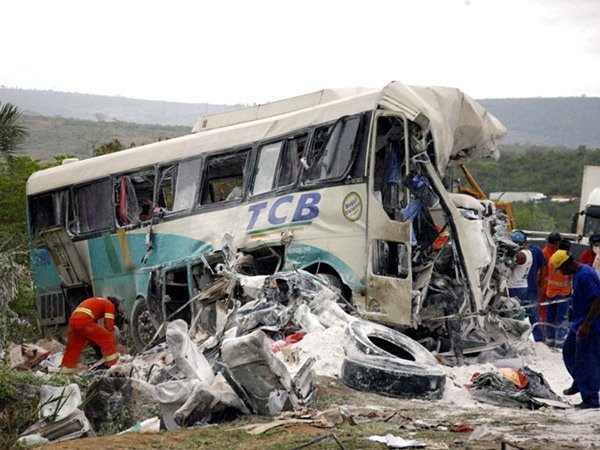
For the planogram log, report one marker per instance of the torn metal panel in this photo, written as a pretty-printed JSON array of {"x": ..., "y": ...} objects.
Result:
[{"x": 461, "y": 128}]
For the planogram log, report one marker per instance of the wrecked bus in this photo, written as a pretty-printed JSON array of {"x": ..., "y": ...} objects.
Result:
[{"x": 345, "y": 183}]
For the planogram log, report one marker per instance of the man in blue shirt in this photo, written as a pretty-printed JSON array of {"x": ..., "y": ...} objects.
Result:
[{"x": 582, "y": 345}]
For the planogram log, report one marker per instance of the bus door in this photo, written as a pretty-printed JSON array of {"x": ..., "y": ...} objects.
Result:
[
  {"x": 389, "y": 278},
  {"x": 74, "y": 278}
]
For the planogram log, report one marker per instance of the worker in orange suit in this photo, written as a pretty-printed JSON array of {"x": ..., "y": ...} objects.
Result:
[{"x": 84, "y": 327}]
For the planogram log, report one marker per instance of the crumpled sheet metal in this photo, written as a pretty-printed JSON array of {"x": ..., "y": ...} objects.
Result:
[{"x": 462, "y": 129}]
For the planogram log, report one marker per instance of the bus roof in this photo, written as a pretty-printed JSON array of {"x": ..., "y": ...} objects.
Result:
[{"x": 461, "y": 128}]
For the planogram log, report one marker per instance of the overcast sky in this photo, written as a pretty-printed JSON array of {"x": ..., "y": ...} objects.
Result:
[{"x": 253, "y": 51}]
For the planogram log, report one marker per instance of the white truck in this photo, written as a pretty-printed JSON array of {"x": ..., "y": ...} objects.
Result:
[{"x": 587, "y": 221}]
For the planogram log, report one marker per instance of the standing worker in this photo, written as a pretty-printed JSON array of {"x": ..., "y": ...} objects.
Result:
[
  {"x": 83, "y": 327},
  {"x": 557, "y": 290},
  {"x": 519, "y": 284},
  {"x": 582, "y": 345}
]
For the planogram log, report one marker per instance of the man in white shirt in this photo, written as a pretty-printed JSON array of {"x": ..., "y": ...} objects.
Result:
[{"x": 517, "y": 280}]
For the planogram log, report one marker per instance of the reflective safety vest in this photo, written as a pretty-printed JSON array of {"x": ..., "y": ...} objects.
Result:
[
  {"x": 96, "y": 308},
  {"x": 556, "y": 282}
]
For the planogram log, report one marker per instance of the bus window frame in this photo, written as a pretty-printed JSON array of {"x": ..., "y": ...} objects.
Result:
[
  {"x": 115, "y": 176},
  {"x": 352, "y": 160},
  {"x": 34, "y": 228},
  {"x": 249, "y": 149},
  {"x": 275, "y": 191},
  {"x": 80, "y": 235},
  {"x": 170, "y": 215}
]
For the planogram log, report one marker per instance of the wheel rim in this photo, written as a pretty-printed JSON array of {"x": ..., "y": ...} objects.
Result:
[{"x": 145, "y": 328}]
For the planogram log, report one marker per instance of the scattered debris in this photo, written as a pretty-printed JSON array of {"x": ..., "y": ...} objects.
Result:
[
  {"x": 518, "y": 388},
  {"x": 320, "y": 439},
  {"x": 25, "y": 356},
  {"x": 151, "y": 425},
  {"x": 60, "y": 419},
  {"x": 462, "y": 428},
  {"x": 123, "y": 401},
  {"x": 397, "y": 442},
  {"x": 253, "y": 345}
]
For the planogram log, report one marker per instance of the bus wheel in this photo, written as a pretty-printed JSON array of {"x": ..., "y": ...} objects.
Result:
[
  {"x": 142, "y": 328},
  {"x": 385, "y": 361},
  {"x": 331, "y": 281},
  {"x": 335, "y": 283}
]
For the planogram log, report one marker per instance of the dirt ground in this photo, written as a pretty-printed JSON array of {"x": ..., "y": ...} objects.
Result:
[{"x": 431, "y": 422}]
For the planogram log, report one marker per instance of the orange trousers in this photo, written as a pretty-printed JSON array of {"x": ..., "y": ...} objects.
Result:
[{"x": 82, "y": 330}]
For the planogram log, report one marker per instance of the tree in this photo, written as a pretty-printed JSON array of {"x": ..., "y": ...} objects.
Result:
[
  {"x": 109, "y": 147},
  {"x": 12, "y": 135}
]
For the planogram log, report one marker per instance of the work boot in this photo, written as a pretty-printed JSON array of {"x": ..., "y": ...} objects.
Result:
[
  {"x": 99, "y": 368},
  {"x": 571, "y": 390},
  {"x": 586, "y": 405}
]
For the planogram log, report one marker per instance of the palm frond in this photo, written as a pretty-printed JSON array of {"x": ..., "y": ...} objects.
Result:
[{"x": 12, "y": 135}]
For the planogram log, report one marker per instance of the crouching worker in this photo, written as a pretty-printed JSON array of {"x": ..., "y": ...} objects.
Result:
[
  {"x": 582, "y": 345},
  {"x": 84, "y": 327}
]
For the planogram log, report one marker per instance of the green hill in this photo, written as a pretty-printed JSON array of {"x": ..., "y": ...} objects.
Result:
[
  {"x": 53, "y": 136},
  {"x": 564, "y": 121},
  {"x": 103, "y": 108}
]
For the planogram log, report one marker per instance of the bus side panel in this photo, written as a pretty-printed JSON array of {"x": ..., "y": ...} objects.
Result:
[
  {"x": 328, "y": 226},
  {"x": 108, "y": 258}
]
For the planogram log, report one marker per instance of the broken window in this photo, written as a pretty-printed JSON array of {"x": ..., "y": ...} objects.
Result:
[
  {"x": 134, "y": 195},
  {"x": 166, "y": 187},
  {"x": 293, "y": 152},
  {"x": 224, "y": 178},
  {"x": 94, "y": 209},
  {"x": 390, "y": 166},
  {"x": 49, "y": 210},
  {"x": 390, "y": 259},
  {"x": 178, "y": 185},
  {"x": 278, "y": 164},
  {"x": 333, "y": 149},
  {"x": 42, "y": 212}
]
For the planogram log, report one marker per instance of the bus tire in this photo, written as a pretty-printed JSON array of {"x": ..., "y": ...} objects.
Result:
[
  {"x": 142, "y": 328},
  {"x": 379, "y": 359},
  {"x": 336, "y": 284},
  {"x": 331, "y": 281},
  {"x": 387, "y": 376}
]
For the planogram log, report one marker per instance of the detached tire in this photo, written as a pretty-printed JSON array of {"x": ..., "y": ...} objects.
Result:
[
  {"x": 384, "y": 361},
  {"x": 142, "y": 328}
]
